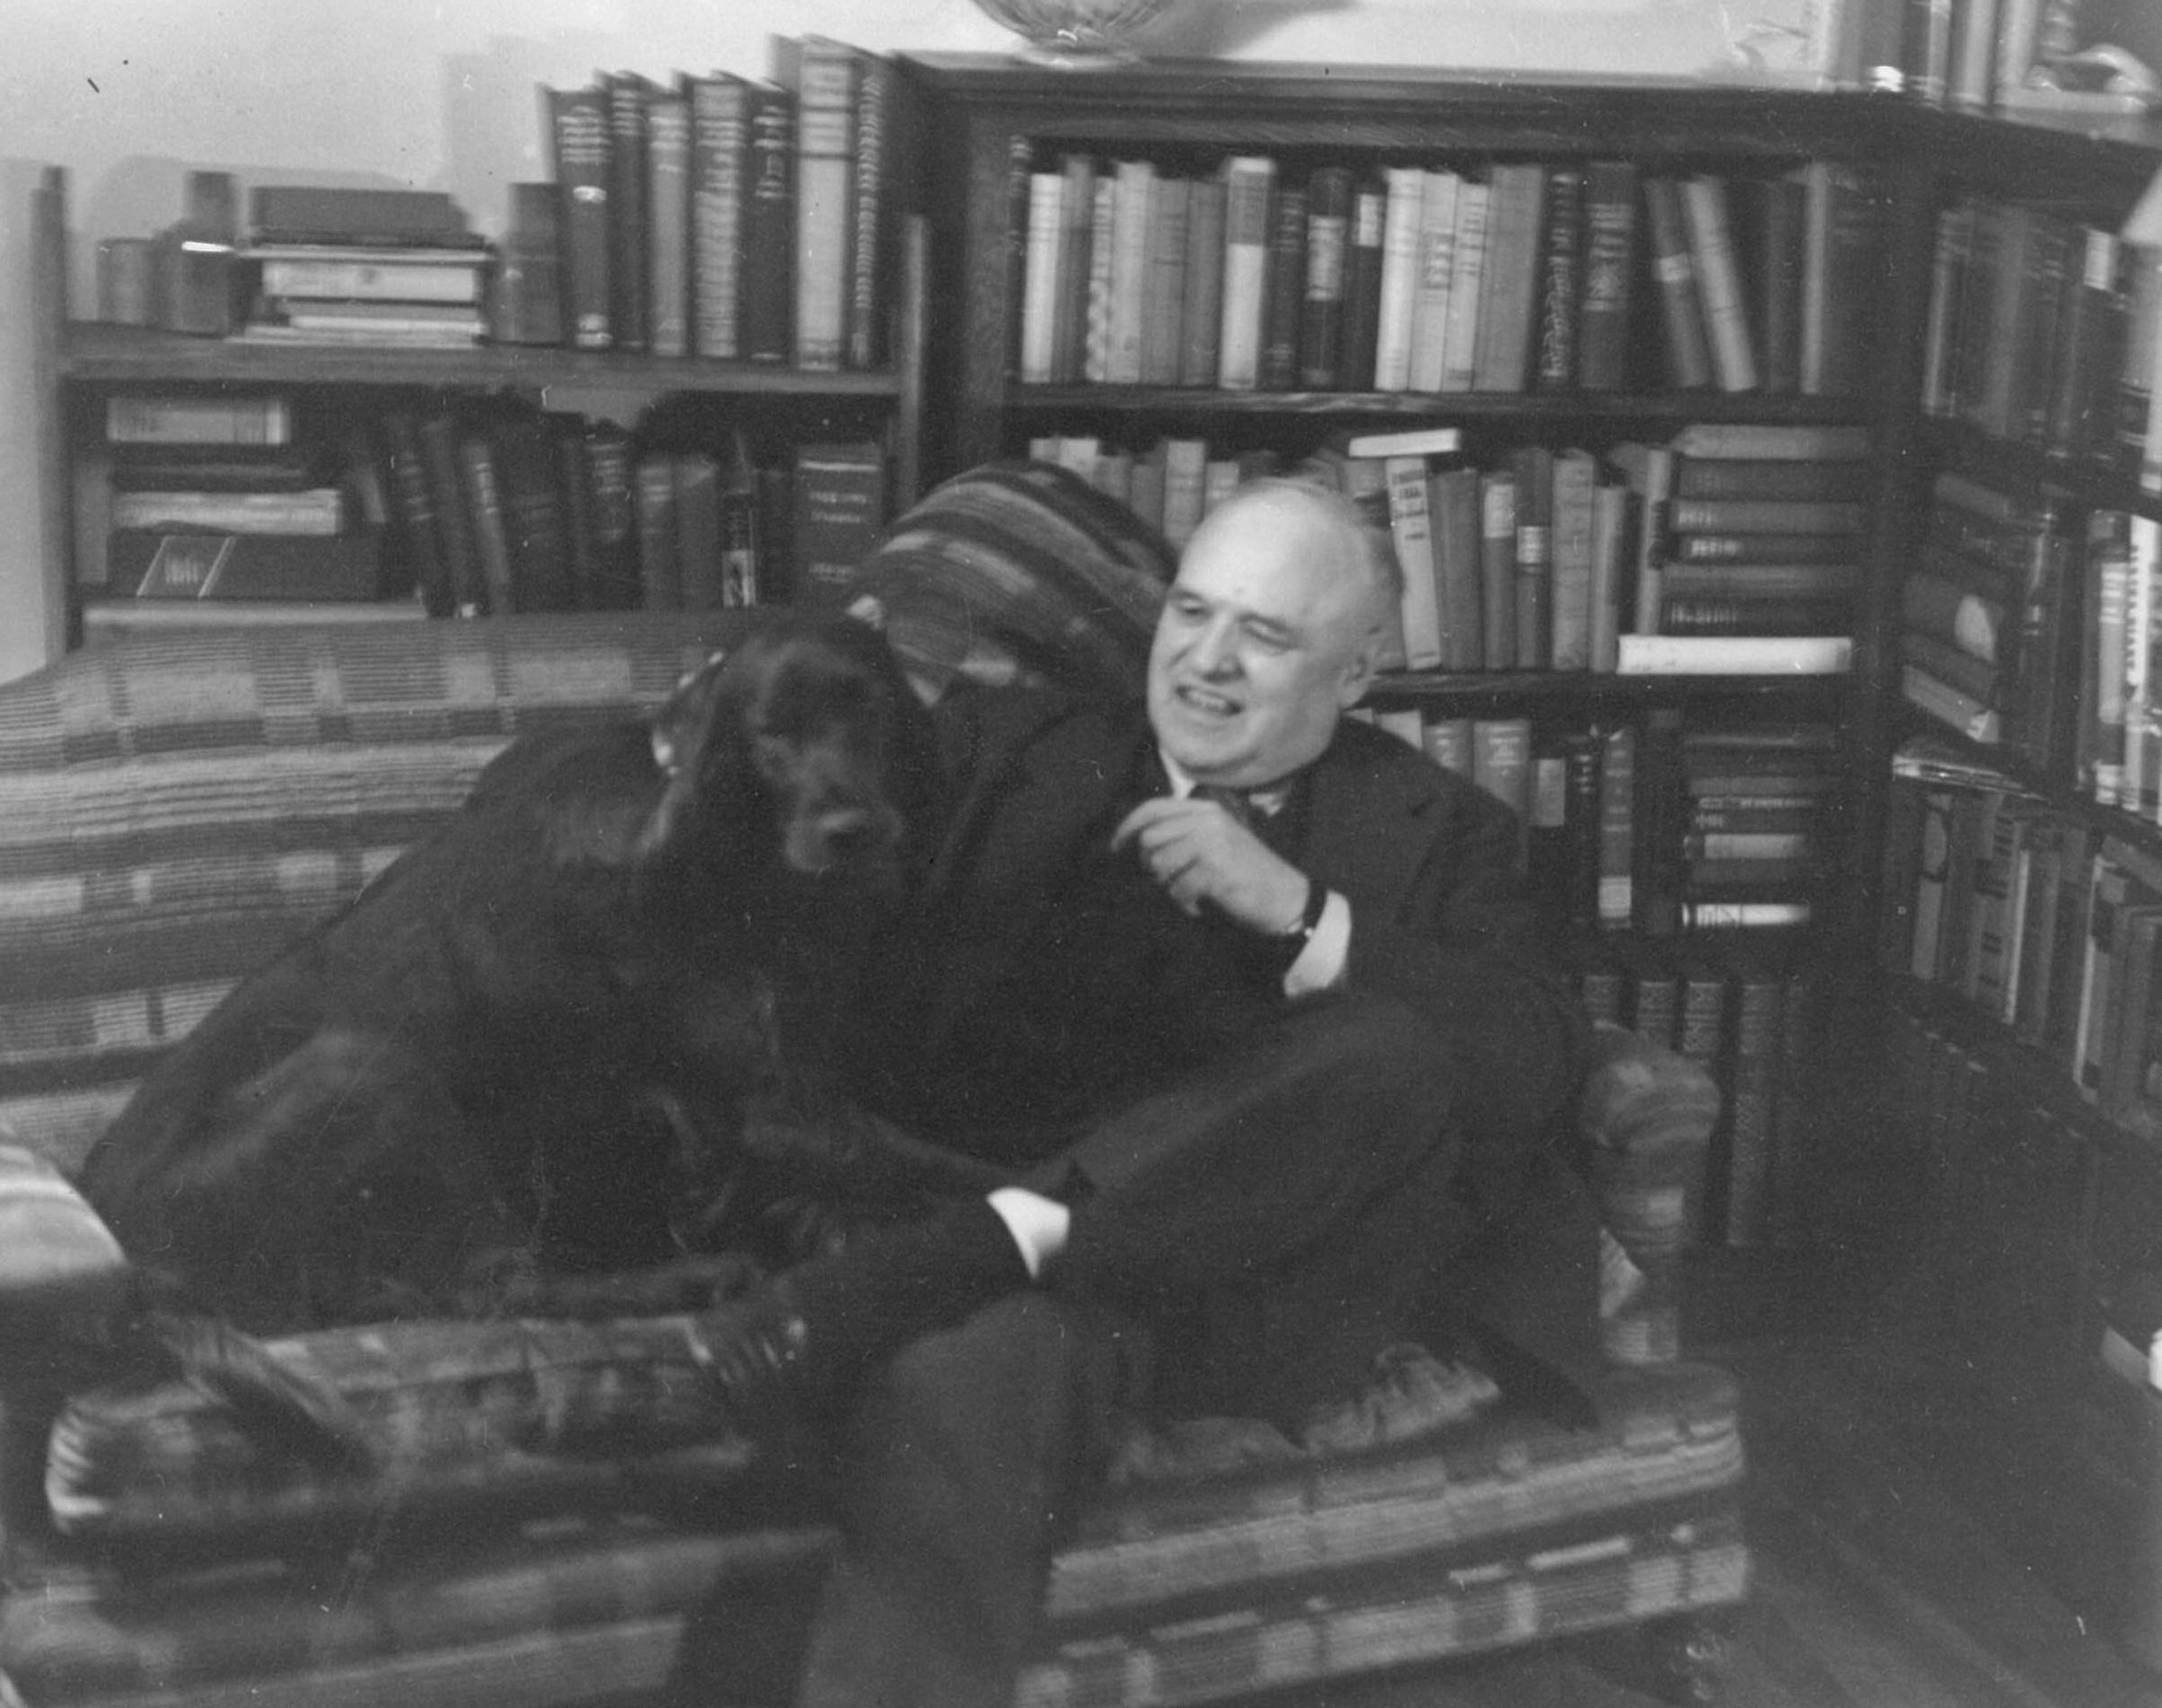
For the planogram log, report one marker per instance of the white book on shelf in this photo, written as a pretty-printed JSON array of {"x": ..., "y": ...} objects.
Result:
[
  {"x": 1468, "y": 269},
  {"x": 1249, "y": 181},
  {"x": 1704, "y": 216},
  {"x": 1734, "y": 654},
  {"x": 1411, "y": 528},
  {"x": 1400, "y": 229},
  {"x": 1438, "y": 199},
  {"x": 1135, "y": 182},
  {"x": 1039, "y": 276}
]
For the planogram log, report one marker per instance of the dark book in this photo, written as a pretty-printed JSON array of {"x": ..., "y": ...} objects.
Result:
[
  {"x": 1656, "y": 883},
  {"x": 1769, "y": 516},
  {"x": 1561, "y": 281},
  {"x": 488, "y": 520},
  {"x": 444, "y": 462},
  {"x": 1501, "y": 763},
  {"x": 1321, "y": 335},
  {"x": 630, "y": 299},
  {"x": 160, "y": 469},
  {"x": 744, "y": 534},
  {"x": 700, "y": 572},
  {"x": 1610, "y": 250},
  {"x": 1362, "y": 287},
  {"x": 574, "y": 491},
  {"x": 1498, "y": 570},
  {"x": 416, "y": 532},
  {"x": 525, "y": 301},
  {"x": 1843, "y": 259},
  {"x": 1508, "y": 291},
  {"x": 1655, "y": 1006},
  {"x": 536, "y": 526},
  {"x": 1617, "y": 826},
  {"x": 654, "y": 501},
  {"x": 720, "y": 171},
  {"x": 147, "y": 564},
  {"x": 618, "y": 582},
  {"x": 1284, "y": 290},
  {"x": 1020, "y": 167},
  {"x": 1533, "y": 465},
  {"x": 2038, "y": 313},
  {"x": 2081, "y": 416},
  {"x": 578, "y": 148},
  {"x": 1972, "y": 677},
  {"x": 1821, "y": 582},
  {"x": 1164, "y": 280},
  {"x": 1780, "y": 206},
  {"x": 769, "y": 224},
  {"x": 839, "y": 515},
  {"x": 1200, "y": 317},
  {"x": 356, "y": 217},
  {"x": 1769, "y": 615},
  {"x": 1675, "y": 283},
  {"x": 1696, "y": 548},
  {"x": 1768, "y": 477},
  {"x": 873, "y": 212},
  {"x": 1453, "y": 523},
  {"x": 668, "y": 210},
  {"x": 1752, "y": 1086}
]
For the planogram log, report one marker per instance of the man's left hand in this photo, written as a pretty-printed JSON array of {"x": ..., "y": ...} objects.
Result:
[{"x": 1199, "y": 852}]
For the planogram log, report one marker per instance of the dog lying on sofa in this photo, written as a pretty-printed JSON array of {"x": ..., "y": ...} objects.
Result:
[{"x": 527, "y": 1049}]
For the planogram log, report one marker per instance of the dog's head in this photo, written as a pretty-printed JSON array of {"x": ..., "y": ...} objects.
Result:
[{"x": 802, "y": 750}]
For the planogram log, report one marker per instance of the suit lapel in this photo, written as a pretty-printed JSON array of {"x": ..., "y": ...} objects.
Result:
[{"x": 1365, "y": 832}]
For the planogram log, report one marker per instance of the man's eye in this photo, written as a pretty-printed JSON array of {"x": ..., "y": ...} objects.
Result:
[{"x": 1269, "y": 640}]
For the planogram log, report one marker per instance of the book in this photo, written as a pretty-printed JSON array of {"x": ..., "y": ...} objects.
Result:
[
  {"x": 821, "y": 74},
  {"x": 1509, "y": 306},
  {"x": 1502, "y": 761},
  {"x": 1455, "y": 523},
  {"x": 1249, "y": 192},
  {"x": 1200, "y": 306},
  {"x": 1617, "y": 828},
  {"x": 719, "y": 182},
  {"x": 369, "y": 275},
  {"x": 489, "y": 521},
  {"x": 1038, "y": 299},
  {"x": 1284, "y": 290},
  {"x": 442, "y": 459},
  {"x": 1397, "y": 310},
  {"x": 1561, "y": 264},
  {"x": 1842, "y": 257},
  {"x": 1778, "y": 243},
  {"x": 319, "y": 510},
  {"x": 1574, "y": 504},
  {"x": 1734, "y": 654},
  {"x": 1675, "y": 284},
  {"x": 1498, "y": 570},
  {"x": 1763, "y": 477},
  {"x": 1321, "y": 315},
  {"x": 668, "y": 256},
  {"x": 1610, "y": 249},
  {"x": 1363, "y": 285},
  {"x": 1648, "y": 471},
  {"x": 1133, "y": 184},
  {"x": 629, "y": 96},
  {"x": 615, "y": 579},
  {"x": 150, "y": 564},
  {"x": 142, "y": 418},
  {"x": 1962, "y": 711},
  {"x": 1708, "y": 230},
  {"x": 1408, "y": 442},
  {"x": 579, "y": 144},
  {"x": 700, "y": 576},
  {"x": 1796, "y": 441},
  {"x": 526, "y": 302},
  {"x": 536, "y": 528},
  {"x": 1467, "y": 273},
  {"x": 1612, "y": 545},
  {"x": 416, "y": 531},
  {"x": 839, "y": 516},
  {"x": 767, "y": 311},
  {"x": 1164, "y": 289},
  {"x": 873, "y": 224},
  {"x": 1768, "y": 516},
  {"x": 1410, "y": 525},
  {"x": 741, "y": 526},
  {"x": 1533, "y": 467},
  {"x": 1440, "y": 193},
  {"x": 110, "y": 618},
  {"x": 343, "y": 215},
  {"x": 653, "y": 501}
]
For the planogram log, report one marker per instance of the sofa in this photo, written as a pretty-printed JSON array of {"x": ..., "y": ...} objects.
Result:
[{"x": 176, "y": 805}]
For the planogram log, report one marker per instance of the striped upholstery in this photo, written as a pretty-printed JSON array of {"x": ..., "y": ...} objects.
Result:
[{"x": 172, "y": 809}]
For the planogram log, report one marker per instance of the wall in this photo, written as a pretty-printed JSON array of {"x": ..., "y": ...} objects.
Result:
[{"x": 129, "y": 95}]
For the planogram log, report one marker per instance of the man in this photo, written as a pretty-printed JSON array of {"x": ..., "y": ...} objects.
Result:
[{"x": 1247, "y": 998}]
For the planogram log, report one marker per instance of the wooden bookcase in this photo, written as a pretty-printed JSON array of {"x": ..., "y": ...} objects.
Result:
[
  {"x": 79, "y": 363},
  {"x": 2006, "y": 1226}
]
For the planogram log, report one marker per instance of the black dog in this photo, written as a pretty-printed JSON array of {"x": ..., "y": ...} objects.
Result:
[{"x": 531, "y": 1046}]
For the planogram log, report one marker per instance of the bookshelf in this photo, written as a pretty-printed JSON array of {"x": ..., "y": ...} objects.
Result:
[{"x": 656, "y": 401}]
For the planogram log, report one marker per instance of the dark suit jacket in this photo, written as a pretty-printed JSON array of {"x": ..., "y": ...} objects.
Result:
[{"x": 1033, "y": 990}]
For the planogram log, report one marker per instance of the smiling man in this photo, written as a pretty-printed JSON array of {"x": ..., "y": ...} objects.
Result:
[{"x": 1247, "y": 997}]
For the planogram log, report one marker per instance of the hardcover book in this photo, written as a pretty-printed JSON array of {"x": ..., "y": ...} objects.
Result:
[{"x": 579, "y": 147}]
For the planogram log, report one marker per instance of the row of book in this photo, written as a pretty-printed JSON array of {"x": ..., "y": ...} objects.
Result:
[
  {"x": 2046, "y": 331},
  {"x": 741, "y": 218},
  {"x": 1743, "y": 1010},
  {"x": 1510, "y": 275},
  {"x": 483, "y": 510},
  {"x": 1729, "y": 548},
  {"x": 2037, "y": 921},
  {"x": 1659, "y": 825}
]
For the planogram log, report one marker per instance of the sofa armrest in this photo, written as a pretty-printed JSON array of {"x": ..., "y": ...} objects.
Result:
[{"x": 1647, "y": 1115}]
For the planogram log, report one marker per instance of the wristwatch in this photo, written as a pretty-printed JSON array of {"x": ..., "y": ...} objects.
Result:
[{"x": 1299, "y": 935}]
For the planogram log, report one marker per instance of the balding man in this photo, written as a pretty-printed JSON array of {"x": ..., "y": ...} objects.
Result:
[{"x": 1247, "y": 998}]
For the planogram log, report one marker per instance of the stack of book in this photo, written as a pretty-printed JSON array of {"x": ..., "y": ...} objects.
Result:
[
  {"x": 746, "y": 219},
  {"x": 214, "y": 503},
  {"x": 1981, "y": 612},
  {"x": 1509, "y": 276},
  {"x": 1754, "y": 552},
  {"x": 365, "y": 266}
]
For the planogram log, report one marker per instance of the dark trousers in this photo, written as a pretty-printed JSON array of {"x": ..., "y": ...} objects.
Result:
[{"x": 1268, "y": 1224}]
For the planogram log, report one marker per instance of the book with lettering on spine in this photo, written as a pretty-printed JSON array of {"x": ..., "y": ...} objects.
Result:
[
  {"x": 821, "y": 74},
  {"x": 1164, "y": 291},
  {"x": 1533, "y": 465},
  {"x": 1284, "y": 290},
  {"x": 1498, "y": 569},
  {"x": 1575, "y": 504},
  {"x": 1125, "y": 279},
  {"x": 578, "y": 148},
  {"x": 1708, "y": 222},
  {"x": 629, "y": 95},
  {"x": 1202, "y": 306},
  {"x": 1088, "y": 251},
  {"x": 1321, "y": 316},
  {"x": 769, "y": 227},
  {"x": 484, "y": 513},
  {"x": 1411, "y": 528},
  {"x": 840, "y": 513},
  {"x": 1610, "y": 261},
  {"x": 1250, "y": 196},
  {"x": 1439, "y": 194},
  {"x": 873, "y": 217},
  {"x": 668, "y": 256},
  {"x": 1561, "y": 281},
  {"x": 1509, "y": 305},
  {"x": 719, "y": 166},
  {"x": 1363, "y": 285},
  {"x": 1674, "y": 275},
  {"x": 1401, "y": 269}
]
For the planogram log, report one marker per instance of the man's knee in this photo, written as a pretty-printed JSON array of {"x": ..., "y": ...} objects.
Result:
[{"x": 1375, "y": 1044}]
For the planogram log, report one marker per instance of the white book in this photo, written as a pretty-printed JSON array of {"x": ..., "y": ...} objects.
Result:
[
  {"x": 1249, "y": 180},
  {"x": 1719, "y": 281},
  {"x": 1096, "y": 319},
  {"x": 1460, "y": 340},
  {"x": 1185, "y": 486},
  {"x": 1040, "y": 275},
  {"x": 1734, "y": 654},
  {"x": 1438, "y": 199},
  {"x": 1410, "y": 442},
  {"x": 1411, "y": 528},
  {"x": 1134, "y": 209},
  {"x": 1400, "y": 220}
]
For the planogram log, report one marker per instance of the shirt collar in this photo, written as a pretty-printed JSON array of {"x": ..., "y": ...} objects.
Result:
[{"x": 1268, "y": 802}]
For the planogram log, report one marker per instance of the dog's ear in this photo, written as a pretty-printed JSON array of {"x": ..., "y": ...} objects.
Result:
[{"x": 682, "y": 732}]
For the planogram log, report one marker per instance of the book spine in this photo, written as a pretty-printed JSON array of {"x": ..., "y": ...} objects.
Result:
[
  {"x": 1618, "y": 829},
  {"x": 1411, "y": 528},
  {"x": 1249, "y": 193},
  {"x": 1164, "y": 298},
  {"x": 1534, "y": 468},
  {"x": 719, "y": 153},
  {"x": 1510, "y": 285},
  {"x": 149, "y": 564},
  {"x": 1453, "y": 505},
  {"x": 1400, "y": 274},
  {"x": 668, "y": 225},
  {"x": 1201, "y": 319},
  {"x": 412, "y": 510},
  {"x": 769, "y": 225},
  {"x": 617, "y": 581},
  {"x": 1675, "y": 275},
  {"x": 579, "y": 140},
  {"x": 1725, "y": 310},
  {"x": 1502, "y": 762},
  {"x": 1468, "y": 271},
  {"x": 1769, "y": 516},
  {"x": 1082, "y": 300},
  {"x": 1610, "y": 247},
  {"x": 1554, "y": 367},
  {"x": 1039, "y": 291},
  {"x": 1362, "y": 287},
  {"x": 1439, "y": 195},
  {"x": 870, "y": 215},
  {"x": 1321, "y": 334},
  {"x": 824, "y": 84},
  {"x": 660, "y": 566},
  {"x": 1125, "y": 288},
  {"x": 1498, "y": 569},
  {"x": 1575, "y": 481},
  {"x": 840, "y": 512},
  {"x": 1283, "y": 291},
  {"x": 485, "y": 510},
  {"x": 1754, "y": 1076},
  {"x": 1779, "y": 252},
  {"x": 627, "y": 94},
  {"x": 136, "y": 419}
]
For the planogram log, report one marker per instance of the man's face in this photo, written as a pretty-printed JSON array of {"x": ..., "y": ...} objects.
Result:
[{"x": 1263, "y": 642}]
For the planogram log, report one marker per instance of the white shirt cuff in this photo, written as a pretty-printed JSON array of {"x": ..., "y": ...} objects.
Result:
[{"x": 1321, "y": 963}]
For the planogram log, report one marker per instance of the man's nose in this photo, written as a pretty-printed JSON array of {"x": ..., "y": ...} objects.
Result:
[{"x": 1216, "y": 649}]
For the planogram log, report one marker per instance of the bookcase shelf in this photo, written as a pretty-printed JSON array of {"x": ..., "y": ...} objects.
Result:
[
  {"x": 1574, "y": 692},
  {"x": 2023, "y": 468},
  {"x": 1528, "y": 411}
]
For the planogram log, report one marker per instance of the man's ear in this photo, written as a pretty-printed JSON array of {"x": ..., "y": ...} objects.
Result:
[
  {"x": 682, "y": 732},
  {"x": 1358, "y": 672}
]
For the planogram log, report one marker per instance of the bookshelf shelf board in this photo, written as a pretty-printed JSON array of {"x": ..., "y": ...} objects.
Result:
[
  {"x": 1532, "y": 408},
  {"x": 2023, "y": 468},
  {"x": 96, "y": 353},
  {"x": 1577, "y": 689}
]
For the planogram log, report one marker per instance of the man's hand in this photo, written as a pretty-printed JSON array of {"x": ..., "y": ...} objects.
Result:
[{"x": 1199, "y": 852}]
